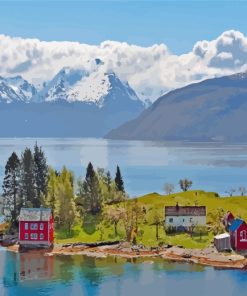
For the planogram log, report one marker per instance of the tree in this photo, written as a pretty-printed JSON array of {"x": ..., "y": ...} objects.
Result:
[
  {"x": 201, "y": 230},
  {"x": 230, "y": 191},
  {"x": 169, "y": 188},
  {"x": 27, "y": 184},
  {"x": 52, "y": 190},
  {"x": 216, "y": 217},
  {"x": 119, "y": 180},
  {"x": 242, "y": 190},
  {"x": 40, "y": 171},
  {"x": 11, "y": 188},
  {"x": 108, "y": 181},
  {"x": 114, "y": 215},
  {"x": 156, "y": 219},
  {"x": 185, "y": 184},
  {"x": 132, "y": 215},
  {"x": 89, "y": 192},
  {"x": 65, "y": 208}
]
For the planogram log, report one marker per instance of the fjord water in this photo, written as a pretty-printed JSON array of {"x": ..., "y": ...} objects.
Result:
[
  {"x": 33, "y": 274},
  {"x": 146, "y": 166}
]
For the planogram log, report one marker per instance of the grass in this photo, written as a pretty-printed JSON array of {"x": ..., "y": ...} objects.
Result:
[{"x": 90, "y": 232}]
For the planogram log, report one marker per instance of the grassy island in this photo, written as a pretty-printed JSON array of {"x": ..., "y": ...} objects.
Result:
[{"x": 94, "y": 230}]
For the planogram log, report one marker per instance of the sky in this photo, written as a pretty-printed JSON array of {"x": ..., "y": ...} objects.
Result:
[
  {"x": 155, "y": 46},
  {"x": 178, "y": 24}
]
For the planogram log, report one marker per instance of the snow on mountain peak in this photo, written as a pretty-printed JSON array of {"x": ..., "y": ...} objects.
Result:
[
  {"x": 77, "y": 85},
  {"x": 91, "y": 89},
  {"x": 16, "y": 89},
  {"x": 96, "y": 85}
]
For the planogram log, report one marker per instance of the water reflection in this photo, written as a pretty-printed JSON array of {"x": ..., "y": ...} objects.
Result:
[
  {"x": 33, "y": 274},
  {"x": 35, "y": 267},
  {"x": 64, "y": 268}
]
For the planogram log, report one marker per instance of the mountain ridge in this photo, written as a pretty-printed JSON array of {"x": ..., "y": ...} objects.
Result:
[{"x": 212, "y": 110}]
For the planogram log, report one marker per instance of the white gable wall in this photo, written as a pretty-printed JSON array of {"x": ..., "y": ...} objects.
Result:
[{"x": 185, "y": 221}]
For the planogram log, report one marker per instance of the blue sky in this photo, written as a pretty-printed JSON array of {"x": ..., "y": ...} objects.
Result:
[{"x": 178, "y": 24}]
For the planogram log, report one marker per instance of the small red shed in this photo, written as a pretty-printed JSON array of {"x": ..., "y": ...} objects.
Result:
[
  {"x": 238, "y": 233},
  {"x": 227, "y": 220},
  {"x": 36, "y": 227}
]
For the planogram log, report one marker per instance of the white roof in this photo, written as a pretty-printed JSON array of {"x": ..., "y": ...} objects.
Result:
[{"x": 222, "y": 235}]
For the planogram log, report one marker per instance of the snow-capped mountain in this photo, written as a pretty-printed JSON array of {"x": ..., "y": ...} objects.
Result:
[
  {"x": 76, "y": 85},
  {"x": 57, "y": 88},
  {"x": 75, "y": 103},
  {"x": 16, "y": 89}
]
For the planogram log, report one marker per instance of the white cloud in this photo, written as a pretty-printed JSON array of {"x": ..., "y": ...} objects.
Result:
[{"x": 151, "y": 71}]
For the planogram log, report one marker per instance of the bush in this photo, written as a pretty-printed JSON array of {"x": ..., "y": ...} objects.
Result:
[
  {"x": 170, "y": 229},
  {"x": 140, "y": 233}
]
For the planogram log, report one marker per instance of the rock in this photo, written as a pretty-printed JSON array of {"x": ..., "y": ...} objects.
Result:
[
  {"x": 67, "y": 245},
  {"x": 186, "y": 256},
  {"x": 125, "y": 245},
  {"x": 154, "y": 248}
]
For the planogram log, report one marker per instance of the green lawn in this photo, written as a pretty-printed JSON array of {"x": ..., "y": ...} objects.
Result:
[{"x": 89, "y": 230}]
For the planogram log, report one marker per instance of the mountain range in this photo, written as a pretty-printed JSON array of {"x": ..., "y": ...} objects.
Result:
[
  {"x": 211, "y": 110},
  {"x": 75, "y": 103},
  {"x": 82, "y": 103}
]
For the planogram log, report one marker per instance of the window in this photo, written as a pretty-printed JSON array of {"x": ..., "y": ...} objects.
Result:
[
  {"x": 41, "y": 236},
  {"x": 26, "y": 226},
  {"x": 41, "y": 226},
  {"x": 26, "y": 235},
  {"x": 34, "y": 236},
  {"x": 170, "y": 220},
  {"x": 34, "y": 226},
  {"x": 243, "y": 235}
]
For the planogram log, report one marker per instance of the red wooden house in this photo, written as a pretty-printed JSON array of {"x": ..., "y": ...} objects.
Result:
[
  {"x": 238, "y": 233},
  {"x": 36, "y": 227}
]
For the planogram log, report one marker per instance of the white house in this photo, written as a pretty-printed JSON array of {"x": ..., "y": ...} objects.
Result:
[{"x": 185, "y": 217}]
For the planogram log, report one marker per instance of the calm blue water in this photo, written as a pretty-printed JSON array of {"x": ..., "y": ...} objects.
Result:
[
  {"x": 146, "y": 166},
  {"x": 31, "y": 275}
]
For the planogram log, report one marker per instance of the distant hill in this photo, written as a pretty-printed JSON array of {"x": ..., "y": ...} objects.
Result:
[{"x": 214, "y": 109}]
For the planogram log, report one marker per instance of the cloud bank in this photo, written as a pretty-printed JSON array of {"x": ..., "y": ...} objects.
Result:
[{"x": 151, "y": 71}]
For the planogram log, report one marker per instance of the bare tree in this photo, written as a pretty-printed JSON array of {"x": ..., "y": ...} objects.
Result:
[
  {"x": 185, "y": 184},
  {"x": 242, "y": 190},
  {"x": 169, "y": 188},
  {"x": 230, "y": 191}
]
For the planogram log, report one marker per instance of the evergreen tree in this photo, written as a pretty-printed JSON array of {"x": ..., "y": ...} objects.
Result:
[
  {"x": 90, "y": 193},
  {"x": 40, "y": 172},
  {"x": 119, "y": 181},
  {"x": 27, "y": 184},
  {"x": 11, "y": 183}
]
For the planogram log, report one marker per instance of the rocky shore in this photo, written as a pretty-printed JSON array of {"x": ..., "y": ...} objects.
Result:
[{"x": 209, "y": 256}]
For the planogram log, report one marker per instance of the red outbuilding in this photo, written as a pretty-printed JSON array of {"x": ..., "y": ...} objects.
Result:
[
  {"x": 238, "y": 233},
  {"x": 36, "y": 227},
  {"x": 227, "y": 220}
]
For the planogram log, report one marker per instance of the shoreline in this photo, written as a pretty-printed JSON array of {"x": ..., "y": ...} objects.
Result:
[{"x": 208, "y": 256}]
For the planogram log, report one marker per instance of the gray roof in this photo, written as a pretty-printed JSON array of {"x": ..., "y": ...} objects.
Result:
[
  {"x": 185, "y": 211},
  {"x": 35, "y": 214}
]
